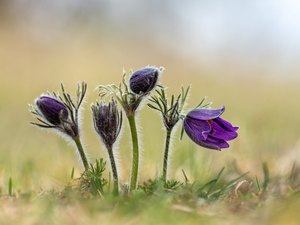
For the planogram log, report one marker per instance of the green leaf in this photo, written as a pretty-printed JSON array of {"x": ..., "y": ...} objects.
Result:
[
  {"x": 226, "y": 187},
  {"x": 182, "y": 132},
  {"x": 72, "y": 174},
  {"x": 153, "y": 107},
  {"x": 199, "y": 105},
  {"x": 185, "y": 176},
  {"x": 216, "y": 181},
  {"x": 257, "y": 183},
  {"x": 10, "y": 186},
  {"x": 172, "y": 101},
  {"x": 266, "y": 176}
]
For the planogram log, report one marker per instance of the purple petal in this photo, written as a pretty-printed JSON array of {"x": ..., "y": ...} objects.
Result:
[
  {"x": 225, "y": 124},
  {"x": 107, "y": 122},
  {"x": 197, "y": 130},
  {"x": 144, "y": 80},
  {"x": 205, "y": 114},
  {"x": 218, "y": 142},
  {"x": 52, "y": 109},
  {"x": 208, "y": 145},
  {"x": 220, "y": 133}
]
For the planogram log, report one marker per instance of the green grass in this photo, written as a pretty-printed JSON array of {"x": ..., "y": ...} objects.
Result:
[
  {"x": 39, "y": 172},
  {"x": 215, "y": 201}
]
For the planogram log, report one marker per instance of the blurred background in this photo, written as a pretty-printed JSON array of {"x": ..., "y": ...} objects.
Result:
[{"x": 244, "y": 55}]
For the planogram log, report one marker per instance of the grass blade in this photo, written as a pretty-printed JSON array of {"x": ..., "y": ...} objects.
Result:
[{"x": 10, "y": 186}]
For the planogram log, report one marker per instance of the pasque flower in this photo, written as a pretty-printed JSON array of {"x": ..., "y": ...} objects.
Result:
[
  {"x": 144, "y": 80},
  {"x": 108, "y": 123},
  {"x": 206, "y": 128},
  {"x": 53, "y": 110},
  {"x": 55, "y": 114},
  {"x": 61, "y": 112}
]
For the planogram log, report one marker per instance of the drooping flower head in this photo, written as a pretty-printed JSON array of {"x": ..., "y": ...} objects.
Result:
[
  {"x": 206, "y": 128},
  {"x": 107, "y": 122},
  {"x": 59, "y": 112},
  {"x": 53, "y": 110},
  {"x": 144, "y": 80}
]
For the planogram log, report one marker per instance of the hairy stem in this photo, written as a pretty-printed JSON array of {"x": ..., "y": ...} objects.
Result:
[
  {"x": 81, "y": 152},
  {"x": 114, "y": 171},
  {"x": 166, "y": 155},
  {"x": 135, "y": 152}
]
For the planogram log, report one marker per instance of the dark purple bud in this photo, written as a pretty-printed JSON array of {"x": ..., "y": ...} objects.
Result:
[
  {"x": 144, "y": 80},
  {"x": 107, "y": 122},
  {"x": 207, "y": 129},
  {"x": 53, "y": 110}
]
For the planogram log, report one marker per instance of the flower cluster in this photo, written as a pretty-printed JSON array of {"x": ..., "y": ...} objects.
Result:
[{"x": 203, "y": 125}]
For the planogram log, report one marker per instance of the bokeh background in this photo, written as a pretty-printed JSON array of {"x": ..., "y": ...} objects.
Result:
[{"x": 241, "y": 54}]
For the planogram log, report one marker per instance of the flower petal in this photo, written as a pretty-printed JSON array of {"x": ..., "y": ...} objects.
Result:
[
  {"x": 197, "y": 130},
  {"x": 220, "y": 133},
  {"x": 205, "y": 114},
  {"x": 208, "y": 145},
  {"x": 225, "y": 124},
  {"x": 216, "y": 141},
  {"x": 144, "y": 80},
  {"x": 52, "y": 109}
]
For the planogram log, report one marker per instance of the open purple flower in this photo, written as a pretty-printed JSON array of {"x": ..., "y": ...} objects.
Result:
[
  {"x": 207, "y": 129},
  {"x": 53, "y": 110},
  {"x": 144, "y": 80}
]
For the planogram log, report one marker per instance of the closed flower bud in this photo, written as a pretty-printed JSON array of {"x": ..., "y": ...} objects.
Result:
[
  {"x": 207, "y": 129},
  {"x": 107, "y": 122},
  {"x": 144, "y": 80},
  {"x": 53, "y": 110}
]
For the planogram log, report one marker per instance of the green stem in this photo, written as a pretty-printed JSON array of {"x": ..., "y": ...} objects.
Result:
[
  {"x": 81, "y": 152},
  {"x": 114, "y": 171},
  {"x": 166, "y": 155},
  {"x": 135, "y": 152}
]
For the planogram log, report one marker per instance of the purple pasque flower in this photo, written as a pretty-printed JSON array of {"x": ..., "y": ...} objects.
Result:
[
  {"x": 206, "y": 128},
  {"x": 107, "y": 122},
  {"x": 144, "y": 80},
  {"x": 53, "y": 110},
  {"x": 60, "y": 113}
]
